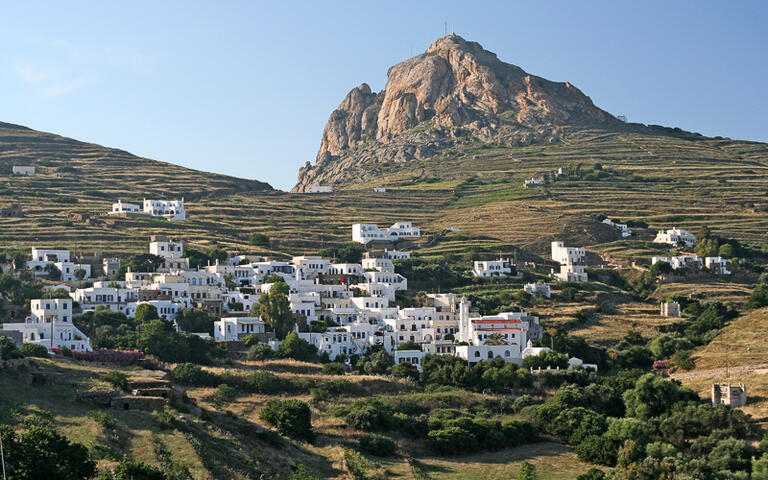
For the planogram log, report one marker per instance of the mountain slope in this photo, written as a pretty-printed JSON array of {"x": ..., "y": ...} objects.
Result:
[
  {"x": 454, "y": 91},
  {"x": 79, "y": 166}
]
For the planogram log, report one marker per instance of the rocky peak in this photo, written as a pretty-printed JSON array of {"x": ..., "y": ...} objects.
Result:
[{"x": 458, "y": 87}]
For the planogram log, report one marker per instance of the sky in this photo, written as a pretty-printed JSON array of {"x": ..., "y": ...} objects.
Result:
[{"x": 245, "y": 88}]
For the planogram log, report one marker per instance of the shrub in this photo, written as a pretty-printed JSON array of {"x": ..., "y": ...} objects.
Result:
[
  {"x": 379, "y": 445},
  {"x": 117, "y": 379},
  {"x": 368, "y": 418},
  {"x": 34, "y": 350},
  {"x": 334, "y": 368},
  {"x": 592, "y": 474},
  {"x": 452, "y": 440},
  {"x": 260, "y": 352},
  {"x": 225, "y": 392},
  {"x": 683, "y": 360},
  {"x": 193, "y": 375},
  {"x": 527, "y": 472},
  {"x": 262, "y": 381},
  {"x": 104, "y": 419},
  {"x": 406, "y": 370},
  {"x": 291, "y": 417},
  {"x": 297, "y": 348}
]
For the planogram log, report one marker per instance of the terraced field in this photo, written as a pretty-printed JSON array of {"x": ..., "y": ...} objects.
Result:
[{"x": 647, "y": 174}]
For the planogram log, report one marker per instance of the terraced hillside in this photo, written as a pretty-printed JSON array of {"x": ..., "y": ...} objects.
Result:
[{"x": 662, "y": 178}]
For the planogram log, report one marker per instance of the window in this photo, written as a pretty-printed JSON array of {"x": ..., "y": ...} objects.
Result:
[{"x": 477, "y": 354}]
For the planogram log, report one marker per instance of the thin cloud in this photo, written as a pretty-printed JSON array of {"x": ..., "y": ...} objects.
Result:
[
  {"x": 61, "y": 88},
  {"x": 32, "y": 75}
]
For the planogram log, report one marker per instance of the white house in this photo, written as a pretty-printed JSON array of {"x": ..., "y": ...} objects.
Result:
[
  {"x": 533, "y": 182},
  {"x": 675, "y": 236},
  {"x": 680, "y": 261},
  {"x": 320, "y": 189},
  {"x": 162, "y": 247},
  {"x": 23, "y": 170},
  {"x": 232, "y": 329},
  {"x": 169, "y": 209},
  {"x": 396, "y": 254},
  {"x": 121, "y": 207},
  {"x": 379, "y": 189},
  {"x": 492, "y": 268},
  {"x": 537, "y": 288},
  {"x": 572, "y": 261},
  {"x": 367, "y": 232},
  {"x": 623, "y": 228},
  {"x": 68, "y": 270},
  {"x": 333, "y": 342},
  {"x": 50, "y": 325},
  {"x": 718, "y": 265},
  {"x": 413, "y": 357}
]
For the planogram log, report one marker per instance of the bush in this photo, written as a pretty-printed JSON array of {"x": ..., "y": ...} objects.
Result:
[
  {"x": 225, "y": 392},
  {"x": 592, "y": 474},
  {"x": 452, "y": 440},
  {"x": 527, "y": 472},
  {"x": 369, "y": 418},
  {"x": 334, "y": 368},
  {"x": 291, "y": 417},
  {"x": 683, "y": 360},
  {"x": 34, "y": 350},
  {"x": 379, "y": 445},
  {"x": 193, "y": 375},
  {"x": 117, "y": 379},
  {"x": 297, "y": 348},
  {"x": 406, "y": 370},
  {"x": 260, "y": 352},
  {"x": 262, "y": 381}
]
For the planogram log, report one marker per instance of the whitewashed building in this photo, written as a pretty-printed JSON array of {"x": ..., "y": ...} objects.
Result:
[
  {"x": 675, "y": 236},
  {"x": 23, "y": 170},
  {"x": 50, "y": 325},
  {"x": 320, "y": 189},
  {"x": 718, "y": 265},
  {"x": 533, "y": 182},
  {"x": 622, "y": 227},
  {"x": 572, "y": 261},
  {"x": 368, "y": 232},
  {"x": 537, "y": 288},
  {"x": 491, "y": 268},
  {"x": 232, "y": 329},
  {"x": 168, "y": 209},
  {"x": 120, "y": 207}
]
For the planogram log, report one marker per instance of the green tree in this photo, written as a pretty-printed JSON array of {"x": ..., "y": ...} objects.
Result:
[
  {"x": 79, "y": 274},
  {"x": 53, "y": 271},
  {"x": 409, "y": 346},
  {"x": 547, "y": 358},
  {"x": 145, "y": 313},
  {"x": 758, "y": 298},
  {"x": 260, "y": 352},
  {"x": 296, "y": 348},
  {"x": 406, "y": 370},
  {"x": 760, "y": 469},
  {"x": 8, "y": 349},
  {"x": 291, "y": 417},
  {"x": 127, "y": 469},
  {"x": 527, "y": 471},
  {"x": 727, "y": 250},
  {"x": 195, "y": 320},
  {"x": 661, "y": 268},
  {"x": 275, "y": 310},
  {"x": 653, "y": 396},
  {"x": 41, "y": 453}
]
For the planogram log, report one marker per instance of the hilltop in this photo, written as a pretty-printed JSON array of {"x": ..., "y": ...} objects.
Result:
[{"x": 459, "y": 102}]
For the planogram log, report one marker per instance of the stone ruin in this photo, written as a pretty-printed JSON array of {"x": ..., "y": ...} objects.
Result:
[{"x": 733, "y": 395}]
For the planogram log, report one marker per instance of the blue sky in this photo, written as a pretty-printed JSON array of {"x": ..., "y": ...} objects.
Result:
[{"x": 245, "y": 88}]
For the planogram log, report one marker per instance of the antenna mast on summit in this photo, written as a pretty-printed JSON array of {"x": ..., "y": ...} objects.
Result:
[{"x": 445, "y": 30}]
